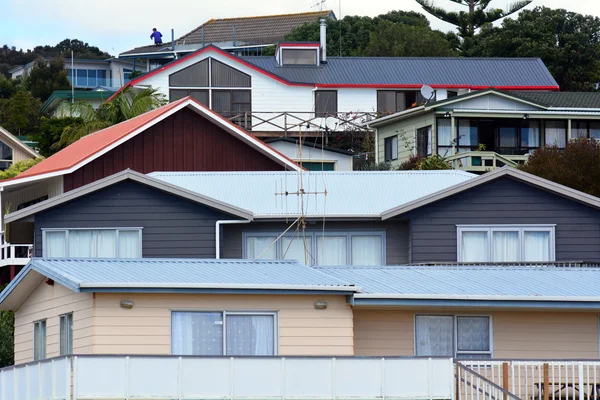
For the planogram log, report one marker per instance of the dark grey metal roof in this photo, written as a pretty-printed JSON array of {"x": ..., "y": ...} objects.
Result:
[
  {"x": 446, "y": 71},
  {"x": 560, "y": 99}
]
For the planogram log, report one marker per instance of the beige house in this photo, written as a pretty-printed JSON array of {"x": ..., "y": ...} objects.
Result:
[{"x": 13, "y": 150}]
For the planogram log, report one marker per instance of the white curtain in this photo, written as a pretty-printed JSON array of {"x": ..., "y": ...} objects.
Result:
[
  {"x": 467, "y": 133},
  {"x": 250, "y": 335},
  {"x": 473, "y": 333},
  {"x": 434, "y": 335},
  {"x": 530, "y": 135},
  {"x": 129, "y": 244},
  {"x": 197, "y": 333},
  {"x": 293, "y": 248},
  {"x": 556, "y": 133},
  {"x": 331, "y": 250},
  {"x": 93, "y": 243},
  {"x": 536, "y": 246},
  {"x": 444, "y": 132},
  {"x": 366, "y": 250},
  {"x": 505, "y": 246},
  {"x": 255, "y": 245},
  {"x": 579, "y": 129},
  {"x": 55, "y": 244},
  {"x": 474, "y": 246}
]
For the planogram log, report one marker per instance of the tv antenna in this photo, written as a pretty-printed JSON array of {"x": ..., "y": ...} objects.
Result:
[
  {"x": 428, "y": 93},
  {"x": 319, "y": 4}
]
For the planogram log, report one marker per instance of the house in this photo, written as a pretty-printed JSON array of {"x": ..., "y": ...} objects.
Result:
[
  {"x": 301, "y": 89},
  {"x": 484, "y": 130},
  {"x": 13, "y": 150},
  {"x": 312, "y": 155},
  {"x": 59, "y": 103},
  {"x": 239, "y": 36},
  {"x": 88, "y": 73}
]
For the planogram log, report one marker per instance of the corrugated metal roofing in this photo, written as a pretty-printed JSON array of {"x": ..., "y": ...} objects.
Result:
[
  {"x": 357, "y": 194},
  {"x": 185, "y": 273},
  {"x": 472, "y": 281},
  {"x": 484, "y": 72}
]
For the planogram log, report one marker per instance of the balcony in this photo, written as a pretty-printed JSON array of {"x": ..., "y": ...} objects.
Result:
[
  {"x": 483, "y": 161},
  {"x": 91, "y": 83},
  {"x": 236, "y": 378}
]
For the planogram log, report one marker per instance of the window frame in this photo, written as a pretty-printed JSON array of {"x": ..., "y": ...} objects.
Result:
[
  {"x": 428, "y": 131},
  {"x": 521, "y": 228},
  {"x": 287, "y": 50},
  {"x": 69, "y": 344},
  {"x": 314, "y": 235},
  {"x": 36, "y": 354},
  {"x": 393, "y": 146},
  {"x": 587, "y": 123},
  {"x": 326, "y": 113},
  {"x": 224, "y": 314},
  {"x": 139, "y": 229},
  {"x": 455, "y": 317},
  {"x": 410, "y": 97}
]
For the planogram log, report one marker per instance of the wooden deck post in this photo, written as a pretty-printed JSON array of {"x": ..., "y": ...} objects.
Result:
[
  {"x": 505, "y": 378},
  {"x": 546, "y": 381}
]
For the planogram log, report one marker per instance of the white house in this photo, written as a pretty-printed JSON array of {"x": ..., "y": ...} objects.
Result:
[
  {"x": 313, "y": 156},
  {"x": 303, "y": 89}
]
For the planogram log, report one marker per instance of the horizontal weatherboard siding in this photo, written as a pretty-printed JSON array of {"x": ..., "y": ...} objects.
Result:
[
  {"x": 171, "y": 226},
  {"x": 505, "y": 202}
]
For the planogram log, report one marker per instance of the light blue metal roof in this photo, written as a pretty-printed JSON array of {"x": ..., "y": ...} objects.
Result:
[
  {"x": 156, "y": 273},
  {"x": 499, "y": 282},
  {"x": 356, "y": 194}
]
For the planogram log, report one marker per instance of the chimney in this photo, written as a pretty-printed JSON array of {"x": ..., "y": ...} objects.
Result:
[{"x": 323, "y": 41}]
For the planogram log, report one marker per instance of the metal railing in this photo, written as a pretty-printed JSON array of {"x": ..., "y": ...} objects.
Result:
[
  {"x": 471, "y": 385},
  {"x": 543, "y": 379},
  {"x": 293, "y": 122},
  {"x": 482, "y": 161}
]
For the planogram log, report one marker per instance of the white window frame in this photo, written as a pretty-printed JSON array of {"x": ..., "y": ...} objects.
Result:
[
  {"x": 455, "y": 317},
  {"x": 225, "y": 313},
  {"x": 551, "y": 228},
  {"x": 39, "y": 323},
  {"x": 66, "y": 230},
  {"x": 315, "y": 235},
  {"x": 70, "y": 330},
  {"x": 394, "y": 144}
]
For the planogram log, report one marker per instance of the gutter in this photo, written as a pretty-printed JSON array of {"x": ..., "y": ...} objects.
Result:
[
  {"x": 487, "y": 304},
  {"x": 218, "y": 232},
  {"x": 400, "y": 296},
  {"x": 171, "y": 285}
]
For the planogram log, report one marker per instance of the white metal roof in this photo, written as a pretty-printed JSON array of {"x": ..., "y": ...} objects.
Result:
[{"x": 332, "y": 194}]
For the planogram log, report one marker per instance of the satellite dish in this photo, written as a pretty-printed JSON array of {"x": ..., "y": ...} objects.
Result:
[{"x": 427, "y": 92}]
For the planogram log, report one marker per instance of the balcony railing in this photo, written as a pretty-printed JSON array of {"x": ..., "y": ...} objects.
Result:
[
  {"x": 482, "y": 161},
  {"x": 236, "y": 378},
  {"x": 91, "y": 83},
  {"x": 14, "y": 254},
  {"x": 291, "y": 123}
]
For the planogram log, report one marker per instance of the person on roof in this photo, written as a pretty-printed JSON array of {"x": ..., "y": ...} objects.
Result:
[{"x": 157, "y": 36}]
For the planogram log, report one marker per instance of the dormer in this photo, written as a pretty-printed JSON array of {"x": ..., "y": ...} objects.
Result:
[{"x": 299, "y": 53}]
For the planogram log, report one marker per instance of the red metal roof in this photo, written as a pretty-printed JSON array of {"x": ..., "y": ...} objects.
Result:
[{"x": 89, "y": 146}]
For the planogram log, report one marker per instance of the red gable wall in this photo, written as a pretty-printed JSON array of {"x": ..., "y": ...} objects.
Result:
[{"x": 184, "y": 141}]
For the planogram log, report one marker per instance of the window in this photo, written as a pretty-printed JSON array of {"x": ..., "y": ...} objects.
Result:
[
  {"x": 223, "y": 333},
  {"x": 424, "y": 141},
  {"x": 453, "y": 336},
  {"x": 444, "y": 136},
  {"x": 326, "y": 102},
  {"x": 298, "y": 56},
  {"x": 505, "y": 243},
  {"x": 200, "y": 95},
  {"x": 66, "y": 334},
  {"x": 393, "y": 101},
  {"x": 555, "y": 133},
  {"x": 89, "y": 78},
  {"x": 6, "y": 156},
  {"x": 93, "y": 243},
  {"x": 390, "y": 146},
  {"x": 585, "y": 129},
  {"x": 318, "y": 165},
  {"x": 233, "y": 104},
  {"x": 335, "y": 248},
  {"x": 39, "y": 340}
]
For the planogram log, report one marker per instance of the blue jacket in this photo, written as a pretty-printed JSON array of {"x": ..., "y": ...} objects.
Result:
[{"x": 156, "y": 36}]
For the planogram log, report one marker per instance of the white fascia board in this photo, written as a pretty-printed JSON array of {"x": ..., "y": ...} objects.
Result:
[
  {"x": 280, "y": 216},
  {"x": 474, "y": 297},
  {"x": 245, "y": 286}
]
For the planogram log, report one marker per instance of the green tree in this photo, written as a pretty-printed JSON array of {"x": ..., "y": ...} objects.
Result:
[
  {"x": 50, "y": 132},
  {"x": 127, "y": 104},
  {"x": 19, "y": 167},
  {"x": 7, "y": 87},
  {"x": 46, "y": 77},
  {"x": 7, "y": 332},
  {"x": 576, "y": 166},
  {"x": 398, "y": 40},
  {"x": 476, "y": 17},
  {"x": 20, "y": 114},
  {"x": 567, "y": 42}
]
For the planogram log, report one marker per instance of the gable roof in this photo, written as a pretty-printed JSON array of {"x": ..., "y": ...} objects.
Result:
[
  {"x": 161, "y": 275},
  {"x": 543, "y": 286},
  {"x": 94, "y": 145},
  {"x": 570, "y": 100},
  {"x": 255, "y": 30},
  {"x": 121, "y": 177},
  {"x": 334, "y": 194},
  {"x": 506, "y": 171},
  {"x": 13, "y": 141}
]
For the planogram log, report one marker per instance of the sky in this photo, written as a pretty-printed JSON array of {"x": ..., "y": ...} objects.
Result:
[{"x": 117, "y": 25}]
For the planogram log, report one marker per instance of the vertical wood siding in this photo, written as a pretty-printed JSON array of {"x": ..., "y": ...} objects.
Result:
[
  {"x": 522, "y": 335},
  {"x": 504, "y": 201},
  {"x": 183, "y": 142},
  {"x": 146, "y": 328},
  {"x": 172, "y": 227},
  {"x": 49, "y": 302}
]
